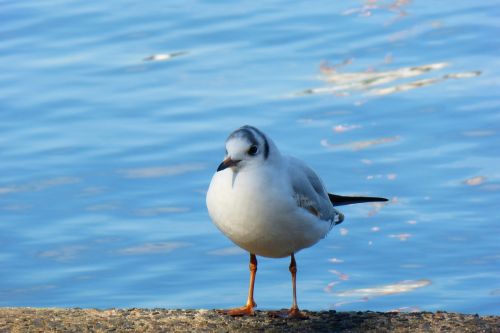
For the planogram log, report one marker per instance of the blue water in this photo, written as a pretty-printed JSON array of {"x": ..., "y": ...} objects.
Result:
[{"x": 113, "y": 117}]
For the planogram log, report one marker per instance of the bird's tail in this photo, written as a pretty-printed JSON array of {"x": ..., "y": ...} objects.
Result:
[{"x": 340, "y": 200}]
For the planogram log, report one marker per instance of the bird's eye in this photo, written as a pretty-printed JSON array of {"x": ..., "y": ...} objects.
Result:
[{"x": 253, "y": 150}]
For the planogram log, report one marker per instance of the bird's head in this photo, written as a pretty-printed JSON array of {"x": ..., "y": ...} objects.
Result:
[{"x": 245, "y": 147}]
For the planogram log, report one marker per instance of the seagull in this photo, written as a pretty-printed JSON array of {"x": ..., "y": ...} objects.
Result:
[{"x": 271, "y": 205}]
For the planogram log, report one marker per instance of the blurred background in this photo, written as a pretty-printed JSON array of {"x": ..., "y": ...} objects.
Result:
[{"x": 113, "y": 116}]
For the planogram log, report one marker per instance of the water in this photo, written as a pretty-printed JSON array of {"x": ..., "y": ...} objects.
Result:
[{"x": 113, "y": 117}]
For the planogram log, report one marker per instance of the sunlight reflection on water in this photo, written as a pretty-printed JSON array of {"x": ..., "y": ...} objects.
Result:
[{"x": 342, "y": 84}]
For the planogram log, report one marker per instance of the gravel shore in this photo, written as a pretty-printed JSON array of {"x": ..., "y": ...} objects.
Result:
[{"x": 161, "y": 320}]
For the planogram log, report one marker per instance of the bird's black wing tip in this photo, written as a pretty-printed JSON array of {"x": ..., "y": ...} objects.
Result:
[{"x": 340, "y": 200}]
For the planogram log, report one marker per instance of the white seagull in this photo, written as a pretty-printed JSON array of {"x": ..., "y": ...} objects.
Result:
[{"x": 271, "y": 205}]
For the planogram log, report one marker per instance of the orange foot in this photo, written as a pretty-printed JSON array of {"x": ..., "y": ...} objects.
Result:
[
  {"x": 246, "y": 310},
  {"x": 293, "y": 313}
]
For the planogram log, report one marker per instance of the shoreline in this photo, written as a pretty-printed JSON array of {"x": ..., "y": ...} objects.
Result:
[{"x": 27, "y": 319}]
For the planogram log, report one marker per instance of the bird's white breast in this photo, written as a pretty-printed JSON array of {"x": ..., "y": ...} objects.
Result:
[{"x": 256, "y": 210}]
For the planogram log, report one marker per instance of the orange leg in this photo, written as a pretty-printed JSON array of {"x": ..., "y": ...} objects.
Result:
[
  {"x": 294, "y": 311},
  {"x": 246, "y": 310}
]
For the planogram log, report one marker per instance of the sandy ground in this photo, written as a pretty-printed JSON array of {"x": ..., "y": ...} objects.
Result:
[{"x": 161, "y": 320}]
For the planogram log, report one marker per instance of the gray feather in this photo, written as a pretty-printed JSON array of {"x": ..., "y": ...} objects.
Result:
[{"x": 310, "y": 193}]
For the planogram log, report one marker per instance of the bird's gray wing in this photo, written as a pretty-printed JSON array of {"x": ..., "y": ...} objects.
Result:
[{"x": 310, "y": 193}]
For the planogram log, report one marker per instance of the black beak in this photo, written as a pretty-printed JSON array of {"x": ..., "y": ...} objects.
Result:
[{"x": 228, "y": 162}]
